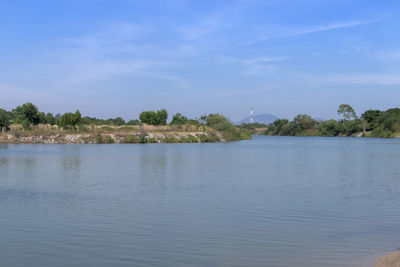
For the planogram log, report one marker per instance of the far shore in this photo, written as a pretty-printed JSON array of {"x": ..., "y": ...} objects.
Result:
[{"x": 93, "y": 134}]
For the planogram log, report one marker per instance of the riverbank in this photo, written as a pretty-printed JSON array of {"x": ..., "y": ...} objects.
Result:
[
  {"x": 391, "y": 259},
  {"x": 93, "y": 134}
]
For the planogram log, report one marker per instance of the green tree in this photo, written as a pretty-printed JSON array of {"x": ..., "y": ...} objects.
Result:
[
  {"x": 70, "y": 120},
  {"x": 370, "y": 119},
  {"x": 351, "y": 127},
  {"x": 178, "y": 119},
  {"x": 50, "y": 119},
  {"x": 28, "y": 112},
  {"x": 4, "y": 120},
  {"x": 161, "y": 117},
  {"x": 42, "y": 117},
  {"x": 148, "y": 117},
  {"x": 119, "y": 121},
  {"x": 390, "y": 120},
  {"x": 347, "y": 112},
  {"x": 278, "y": 127},
  {"x": 303, "y": 122},
  {"x": 154, "y": 118},
  {"x": 329, "y": 128},
  {"x": 133, "y": 122}
]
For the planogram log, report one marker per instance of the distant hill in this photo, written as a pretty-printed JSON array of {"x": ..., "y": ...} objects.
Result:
[{"x": 262, "y": 118}]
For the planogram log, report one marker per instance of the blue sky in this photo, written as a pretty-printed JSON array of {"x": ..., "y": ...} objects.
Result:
[{"x": 119, "y": 57}]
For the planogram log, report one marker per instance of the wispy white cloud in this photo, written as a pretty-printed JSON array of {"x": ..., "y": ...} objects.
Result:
[
  {"x": 313, "y": 29},
  {"x": 255, "y": 66},
  {"x": 257, "y": 60},
  {"x": 112, "y": 52}
]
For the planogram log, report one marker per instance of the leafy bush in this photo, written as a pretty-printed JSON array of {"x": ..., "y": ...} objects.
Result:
[
  {"x": 151, "y": 140},
  {"x": 142, "y": 139},
  {"x": 154, "y": 118},
  {"x": 189, "y": 139},
  {"x": 69, "y": 120},
  {"x": 99, "y": 139},
  {"x": 170, "y": 139},
  {"x": 204, "y": 138},
  {"x": 133, "y": 122},
  {"x": 104, "y": 140},
  {"x": 108, "y": 140},
  {"x": 179, "y": 119},
  {"x": 131, "y": 139}
]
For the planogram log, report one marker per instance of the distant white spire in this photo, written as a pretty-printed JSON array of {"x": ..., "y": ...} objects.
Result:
[{"x": 251, "y": 115}]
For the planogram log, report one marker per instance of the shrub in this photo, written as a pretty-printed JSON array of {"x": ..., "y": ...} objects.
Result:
[
  {"x": 108, "y": 140},
  {"x": 131, "y": 139},
  {"x": 99, "y": 139},
  {"x": 179, "y": 119},
  {"x": 189, "y": 139},
  {"x": 69, "y": 119},
  {"x": 151, "y": 140},
  {"x": 169, "y": 139},
  {"x": 204, "y": 138},
  {"x": 142, "y": 139}
]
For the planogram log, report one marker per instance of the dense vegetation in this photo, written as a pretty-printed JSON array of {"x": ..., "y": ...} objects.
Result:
[
  {"x": 372, "y": 123},
  {"x": 28, "y": 115}
]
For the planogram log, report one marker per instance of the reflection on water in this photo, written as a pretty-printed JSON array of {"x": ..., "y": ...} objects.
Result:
[{"x": 272, "y": 201}]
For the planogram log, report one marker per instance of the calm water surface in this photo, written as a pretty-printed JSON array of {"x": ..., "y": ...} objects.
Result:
[{"x": 271, "y": 201}]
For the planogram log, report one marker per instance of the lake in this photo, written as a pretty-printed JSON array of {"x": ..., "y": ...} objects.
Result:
[{"x": 271, "y": 201}]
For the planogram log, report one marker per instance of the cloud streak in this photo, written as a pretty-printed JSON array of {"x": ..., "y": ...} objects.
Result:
[{"x": 314, "y": 29}]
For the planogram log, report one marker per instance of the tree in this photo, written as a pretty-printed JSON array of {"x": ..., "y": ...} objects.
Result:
[
  {"x": 178, "y": 119},
  {"x": 28, "y": 112},
  {"x": 372, "y": 118},
  {"x": 390, "y": 119},
  {"x": 4, "y": 120},
  {"x": 203, "y": 119},
  {"x": 148, "y": 117},
  {"x": 50, "y": 119},
  {"x": 303, "y": 122},
  {"x": 69, "y": 120},
  {"x": 347, "y": 112},
  {"x": 133, "y": 122},
  {"x": 329, "y": 128},
  {"x": 351, "y": 127},
  {"x": 119, "y": 121},
  {"x": 42, "y": 117},
  {"x": 161, "y": 117},
  {"x": 154, "y": 118}
]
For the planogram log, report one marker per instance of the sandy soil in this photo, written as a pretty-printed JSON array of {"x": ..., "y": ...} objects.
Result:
[{"x": 389, "y": 260}]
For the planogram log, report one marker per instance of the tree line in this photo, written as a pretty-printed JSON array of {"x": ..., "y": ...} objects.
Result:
[
  {"x": 28, "y": 114},
  {"x": 371, "y": 123}
]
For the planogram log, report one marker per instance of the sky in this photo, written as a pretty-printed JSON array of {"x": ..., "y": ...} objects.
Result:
[{"x": 112, "y": 58}]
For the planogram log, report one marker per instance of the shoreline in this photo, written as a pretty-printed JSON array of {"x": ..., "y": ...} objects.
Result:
[
  {"x": 109, "y": 138},
  {"x": 46, "y": 134}
]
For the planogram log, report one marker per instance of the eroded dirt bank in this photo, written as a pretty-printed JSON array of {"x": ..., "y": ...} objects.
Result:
[{"x": 389, "y": 260}]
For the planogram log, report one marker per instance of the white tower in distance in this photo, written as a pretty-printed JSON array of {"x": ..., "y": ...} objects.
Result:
[{"x": 251, "y": 115}]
